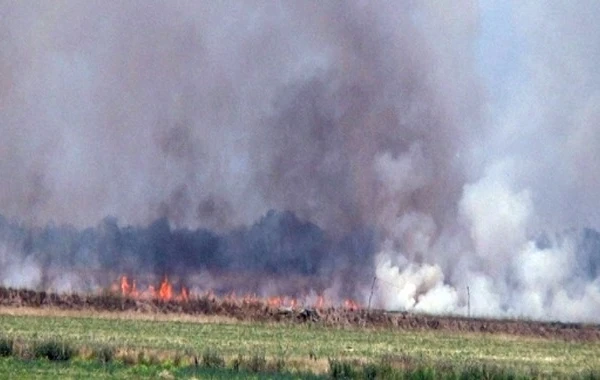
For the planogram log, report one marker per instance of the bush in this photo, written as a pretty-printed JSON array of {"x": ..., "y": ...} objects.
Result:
[
  {"x": 177, "y": 359},
  {"x": 212, "y": 359},
  {"x": 341, "y": 369},
  {"x": 104, "y": 354},
  {"x": 590, "y": 375},
  {"x": 257, "y": 363},
  {"x": 475, "y": 371},
  {"x": 424, "y": 373},
  {"x": 129, "y": 358},
  {"x": 370, "y": 372},
  {"x": 53, "y": 350},
  {"x": 379, "y": 371},
  {"x": 153, "y": 359},
  {"x": 279, "y": 365},
  {"x": 141, "y": 358},
  {"x": 6, "y": 347}
]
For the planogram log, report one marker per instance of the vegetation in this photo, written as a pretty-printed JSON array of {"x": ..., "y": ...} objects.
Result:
[
  {"x": 104, "y": 354},
  {"x": 175, "y": 347},
  {"x": 53, "y": 350},
  {"x": 211, "y": 359},
  {"x": 6, "y": 347}
]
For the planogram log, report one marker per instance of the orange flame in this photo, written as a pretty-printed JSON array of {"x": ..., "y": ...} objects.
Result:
[
  {"x": 351, "y": 305},
  {"x": 184, "y": 295},
  {"x": 274, "y": 301},
  {"x": 320, "y": 302},
  {"x": 165, "y": 292},
  {"x": 250, "y": 299},
  {"x": 124, "y": 286}
]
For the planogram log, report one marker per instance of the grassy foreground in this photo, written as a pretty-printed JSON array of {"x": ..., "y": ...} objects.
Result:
[{"x": 172, "y": 346}]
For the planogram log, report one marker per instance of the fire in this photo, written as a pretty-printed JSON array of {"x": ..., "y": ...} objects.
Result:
[
  {"x": 282, "y": 301},
  {"x": 351, "y": 305},
  {"x": 124, "y": 286},
  {"x": 320, "y": 302},
  {"x": 251, "y": 299},
  {"x": 134, "y": 292},
  {"x": 165, "y": 292},
  {"x": 185, "y": 294}
]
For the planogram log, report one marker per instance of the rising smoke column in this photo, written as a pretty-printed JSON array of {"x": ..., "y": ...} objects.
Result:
[
  {"x": 370, "y": 120},
  {"x": 213, "y": 114},
  {"x": 523, "y": 247}
]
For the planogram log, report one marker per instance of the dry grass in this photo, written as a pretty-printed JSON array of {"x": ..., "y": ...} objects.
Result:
[{"x": 118, "y": 315}]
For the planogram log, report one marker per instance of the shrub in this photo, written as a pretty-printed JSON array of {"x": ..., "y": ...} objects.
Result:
[
  {"x": 423, "y": 373},
  {"x": 590, "y": 375},
  {"x": 370, "y": 371},
  {"x": 104, "y": 354},
  {"x": 141, "y": 358},
  {"x": 177, "y": 359},
  {"x": 279, "y": 365},
  {"x": 257, "y": 363},
  {"x": 6, "y": 347},
  {"x": 212, "y": 359},
  {"x": 341, "y": 369},
  {"x": 53, "y": 350},
  {"x": 153, "y": 359},
  {"x": 238, "y": 363},
  {"x": 475, "y": 371},
  {"x": 129, "y": 358},
  {"x": 23, "y": 351}
]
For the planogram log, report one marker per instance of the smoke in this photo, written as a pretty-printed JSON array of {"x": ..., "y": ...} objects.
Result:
[
  {"x": 278, "y": 255},
  {"x": 435, "y": 147},
  {"x": 522, "y": 241}
]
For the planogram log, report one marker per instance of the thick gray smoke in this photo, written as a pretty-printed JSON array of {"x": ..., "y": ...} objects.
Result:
[{"x": 378, "y": 124}]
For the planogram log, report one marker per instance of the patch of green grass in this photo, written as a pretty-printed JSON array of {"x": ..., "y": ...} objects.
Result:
[
  {"x": 339, "y": 369},
  {"x": 303, "y": 348},
  {"x": 12, "y": 367}
]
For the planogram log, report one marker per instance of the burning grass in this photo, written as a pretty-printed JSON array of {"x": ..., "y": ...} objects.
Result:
[
  {"x": 166, "y": 291},
  {"x": 229, "y": 308}
]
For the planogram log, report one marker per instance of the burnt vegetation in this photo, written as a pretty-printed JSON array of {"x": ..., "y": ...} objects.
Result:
[{"x": 258, "y": 311}]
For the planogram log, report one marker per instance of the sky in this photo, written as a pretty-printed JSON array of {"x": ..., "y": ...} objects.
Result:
[{"x": 499, "y": 47}]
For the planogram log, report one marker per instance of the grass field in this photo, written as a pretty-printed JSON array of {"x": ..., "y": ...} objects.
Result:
[{"x": 168, "y": 345}]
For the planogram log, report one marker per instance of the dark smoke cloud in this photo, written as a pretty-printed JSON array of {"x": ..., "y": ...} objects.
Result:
[
  {"x": 370, "y": 122},
  {"x": 144, "y": 111},
  {"x": 279, "y": 246}
]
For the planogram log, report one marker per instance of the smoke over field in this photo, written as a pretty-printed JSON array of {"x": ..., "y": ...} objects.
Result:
[{"x": 432, "y": 147}]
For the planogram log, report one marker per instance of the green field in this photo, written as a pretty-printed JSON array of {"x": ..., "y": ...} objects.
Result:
[{"x": 170, "y": 346}]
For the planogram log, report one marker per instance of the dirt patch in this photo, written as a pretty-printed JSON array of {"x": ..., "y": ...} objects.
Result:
[{"x": 210, "y": 307}]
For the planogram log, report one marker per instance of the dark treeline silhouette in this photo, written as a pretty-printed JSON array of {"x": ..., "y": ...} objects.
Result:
[{"x": 277, "y": 245}]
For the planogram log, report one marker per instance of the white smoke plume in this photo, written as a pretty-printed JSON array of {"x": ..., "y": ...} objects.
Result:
[
  {"x": 463, "y": 134},
  {"x": 538, "y": 157}
]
